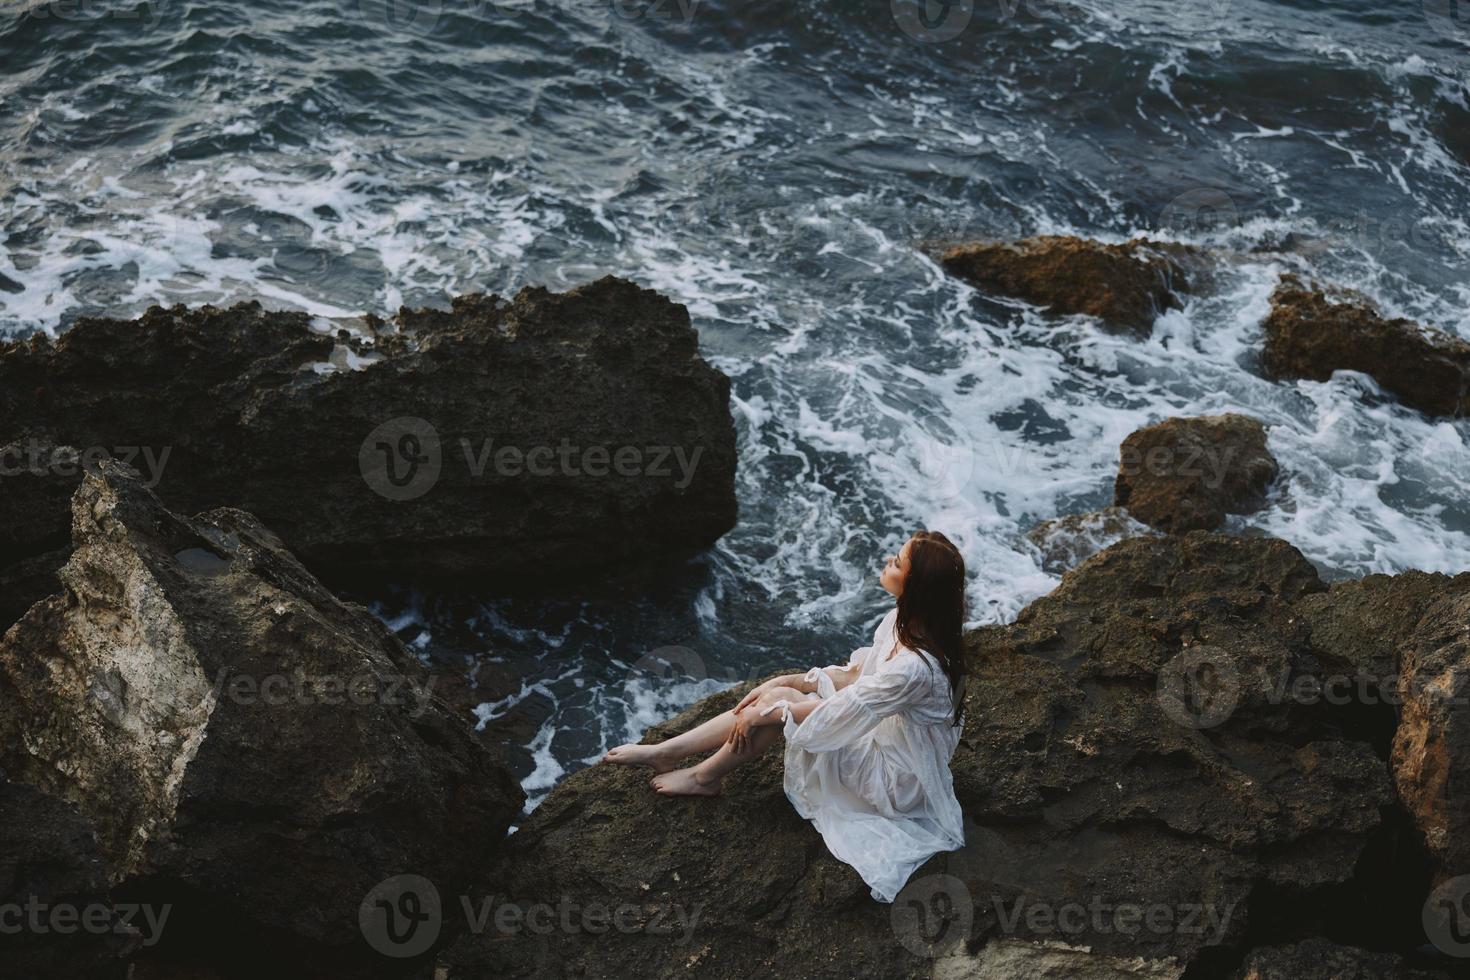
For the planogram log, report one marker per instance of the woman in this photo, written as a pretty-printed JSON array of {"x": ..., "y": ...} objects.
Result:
[{"x": 867, "y": 744}]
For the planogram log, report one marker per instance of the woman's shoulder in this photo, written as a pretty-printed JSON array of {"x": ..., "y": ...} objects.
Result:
[{"x": 912, "y": 661}]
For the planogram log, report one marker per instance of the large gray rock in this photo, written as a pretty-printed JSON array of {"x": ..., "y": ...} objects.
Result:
[
  {"x": 515, "y": 443},
  {"x": 247, "y": 747}
]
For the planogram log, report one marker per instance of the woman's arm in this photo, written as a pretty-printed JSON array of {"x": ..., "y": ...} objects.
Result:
[
  {"x": 842, "y": 676},
  {"x": 765, "y": 715}
]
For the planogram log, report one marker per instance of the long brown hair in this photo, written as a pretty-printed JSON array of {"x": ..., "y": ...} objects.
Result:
[{"x": 931, "y": 610}]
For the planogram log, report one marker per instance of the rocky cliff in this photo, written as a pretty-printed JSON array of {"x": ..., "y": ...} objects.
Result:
[
  {"x": 1154, "y": 785},
  {"x": 582, "y": 428},
  {"x": 230, "y": 741}
]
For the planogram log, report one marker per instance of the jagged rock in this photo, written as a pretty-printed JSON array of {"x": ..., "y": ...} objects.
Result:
[
  {"x": 1064, "y": 542},
  {"x": 1085, "y": 779},
  {"x": 1126, "y": 286},
  {"x": 1309, "y": 335},
  {"x": 1359, "y": 626},
  {"x": 1431, "y": 747},
  {"x": 1318, "y": 959},
  {"x": 736, "y": 887},
  {"x": 247, "y": 747},
  {"x": 1007, "y": 959},
  {"x": 516, "y": 443},
  {"x": 1400, "y": 644},
  {"x": 1186, "y": 474}
]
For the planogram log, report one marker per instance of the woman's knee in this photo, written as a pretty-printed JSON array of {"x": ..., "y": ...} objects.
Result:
[{"x": 789, "y": 693}]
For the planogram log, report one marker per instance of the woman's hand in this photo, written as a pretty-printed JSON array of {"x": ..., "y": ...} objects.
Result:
[
  {"x": 739, "y": 740},
  {"x": 760, "y": 689}
]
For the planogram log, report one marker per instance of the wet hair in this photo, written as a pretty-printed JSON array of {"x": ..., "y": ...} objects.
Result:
[{"x": 931, "y": 610}]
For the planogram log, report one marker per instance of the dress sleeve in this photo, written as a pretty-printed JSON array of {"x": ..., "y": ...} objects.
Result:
[{"x": 857, "y": 709}]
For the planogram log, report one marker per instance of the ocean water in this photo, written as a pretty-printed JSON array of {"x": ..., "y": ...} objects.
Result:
[{"x": 787, "y": 170}]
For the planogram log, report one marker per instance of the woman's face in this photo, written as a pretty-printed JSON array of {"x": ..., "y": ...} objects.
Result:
[{"x": 896, "y": 570}]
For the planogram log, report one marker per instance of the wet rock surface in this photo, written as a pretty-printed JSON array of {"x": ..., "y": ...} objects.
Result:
[
  {"x": 1125, "y": 286},
  {"x": 1398, "y": 645},
  {"x": 1310, "y": 334},
  {"x": 581, "y": 427},
  {"x": 1128, "y": 751},
  {"x": 1317, "y": 959},
  {"x": 246, "y": 747},
  {"x": 1065, "y": 542},
  {"x": 1187, "y": 474}
]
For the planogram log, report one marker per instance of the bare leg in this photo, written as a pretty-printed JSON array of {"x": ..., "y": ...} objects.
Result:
[
  {"x": 663, "y": 756},
  {"x": 704, "y": 779}
]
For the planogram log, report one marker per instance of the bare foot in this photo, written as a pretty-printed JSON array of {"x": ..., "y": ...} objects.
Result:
[
  {"x": 686, "y": 782},
  {"x": 633, "y": 754}
]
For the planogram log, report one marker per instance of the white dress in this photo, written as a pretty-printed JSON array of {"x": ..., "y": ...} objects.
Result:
[{"x": 870, "y": 765}]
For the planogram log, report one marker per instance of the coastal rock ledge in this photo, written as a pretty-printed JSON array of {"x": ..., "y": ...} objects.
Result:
[
  {"x": 1161, "y": 779},
  {"x": 582, "y": 428},
  {"x": 1150, "y": 791}
]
